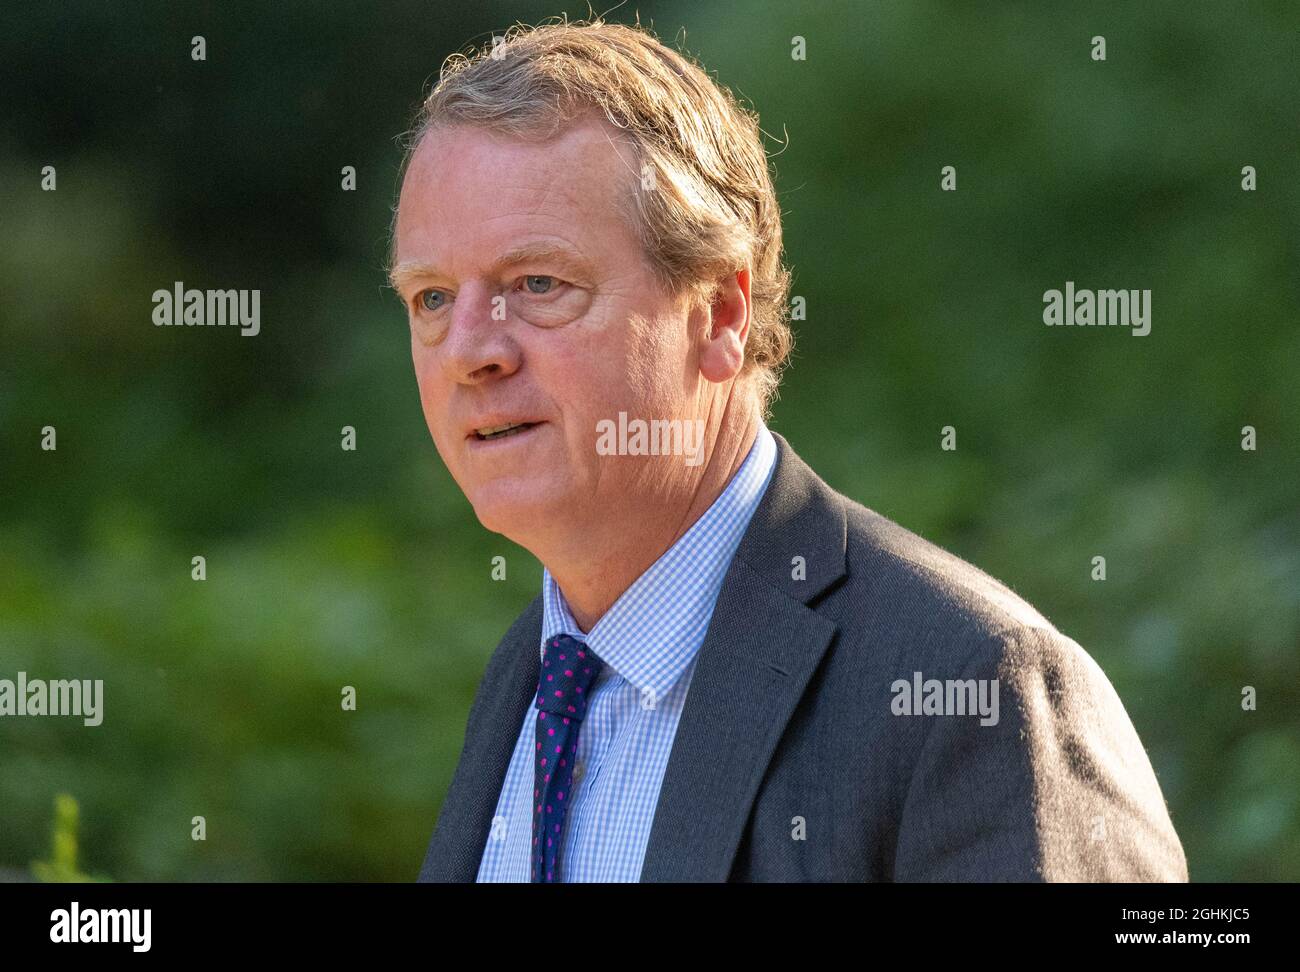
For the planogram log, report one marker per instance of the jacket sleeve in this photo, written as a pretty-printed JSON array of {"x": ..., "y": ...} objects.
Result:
[{"x": 1058, "y": 789}]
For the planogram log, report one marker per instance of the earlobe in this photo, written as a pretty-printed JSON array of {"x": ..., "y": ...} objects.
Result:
[{"x": 723, "y": 353}]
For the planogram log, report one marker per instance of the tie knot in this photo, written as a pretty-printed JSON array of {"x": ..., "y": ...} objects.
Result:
[{"x": 569, "y": 668}]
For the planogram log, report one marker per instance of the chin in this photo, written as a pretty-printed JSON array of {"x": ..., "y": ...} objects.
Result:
[{"x": 511, "y": 509}]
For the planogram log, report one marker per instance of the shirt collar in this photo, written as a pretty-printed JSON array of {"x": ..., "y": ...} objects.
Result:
[{"x": 653, "y": 631}]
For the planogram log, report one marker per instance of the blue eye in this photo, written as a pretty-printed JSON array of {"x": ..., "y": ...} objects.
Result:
[
  {"x": 539, "y": 283},
  {"x": 427, "y": 299}
]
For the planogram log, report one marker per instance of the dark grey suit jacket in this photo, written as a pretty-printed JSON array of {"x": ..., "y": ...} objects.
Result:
[{"x": 789, "y": 716}]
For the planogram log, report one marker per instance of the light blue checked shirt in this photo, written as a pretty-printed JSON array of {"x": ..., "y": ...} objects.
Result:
[{"x": 649, "y": 641}]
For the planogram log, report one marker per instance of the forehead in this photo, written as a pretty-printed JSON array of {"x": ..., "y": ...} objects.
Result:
[{"x": 470, "y": 193}]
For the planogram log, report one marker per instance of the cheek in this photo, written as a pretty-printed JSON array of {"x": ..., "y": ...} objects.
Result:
[
  {"x": 656, "y": 351},
  {"x": 581, "y": 364},
  {"x": 421, "y": 364},
  {"x": 430, "y": 387}
]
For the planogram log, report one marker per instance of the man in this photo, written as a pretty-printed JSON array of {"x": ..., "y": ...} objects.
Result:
[{"x": 732, "y": 672}]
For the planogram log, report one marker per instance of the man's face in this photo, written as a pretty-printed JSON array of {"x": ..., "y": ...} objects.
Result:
[{"x": 531, "y": 300}]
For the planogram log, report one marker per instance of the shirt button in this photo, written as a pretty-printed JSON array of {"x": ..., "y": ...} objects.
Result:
[{"x": 578, "y": 769}]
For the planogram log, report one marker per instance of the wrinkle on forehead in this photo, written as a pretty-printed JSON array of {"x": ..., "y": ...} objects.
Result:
[{"x": 534, "y": 184}]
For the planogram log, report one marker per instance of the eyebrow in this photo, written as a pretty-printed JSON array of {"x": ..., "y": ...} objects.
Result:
[{"x": 536, "y": 251}]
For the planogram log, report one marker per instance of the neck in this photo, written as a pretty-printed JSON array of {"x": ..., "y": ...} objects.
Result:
[{"x": 594, "y": 569}]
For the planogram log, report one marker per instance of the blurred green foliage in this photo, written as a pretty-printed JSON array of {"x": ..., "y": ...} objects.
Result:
[
  {"x": 328, "y": 568},
  {"x": 62, "y": 863}
]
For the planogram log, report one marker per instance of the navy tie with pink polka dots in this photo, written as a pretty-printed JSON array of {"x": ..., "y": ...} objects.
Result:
[{"x": 569, "y": 668}]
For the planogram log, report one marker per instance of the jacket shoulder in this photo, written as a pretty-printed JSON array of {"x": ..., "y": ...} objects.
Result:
[
  {"x": 928, "y": 586},
  {"x": 1063, "y": 764}
]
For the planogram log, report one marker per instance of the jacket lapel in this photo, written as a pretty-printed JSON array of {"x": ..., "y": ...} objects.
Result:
[
  {"x": 763, "y": 644},
  {"x": 507, "y": 688}
]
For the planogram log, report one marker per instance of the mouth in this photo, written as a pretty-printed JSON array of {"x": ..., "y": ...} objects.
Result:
[{"x": 494, "y": 432}]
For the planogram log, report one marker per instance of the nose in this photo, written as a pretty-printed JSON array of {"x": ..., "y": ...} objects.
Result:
[{"x": 477, "y": 348}]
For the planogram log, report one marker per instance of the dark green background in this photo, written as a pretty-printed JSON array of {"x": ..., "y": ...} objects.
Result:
[{"x": 328, "y": 568}]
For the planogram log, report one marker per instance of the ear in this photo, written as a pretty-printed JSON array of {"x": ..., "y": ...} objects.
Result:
[{"x": 722, "y": 343}]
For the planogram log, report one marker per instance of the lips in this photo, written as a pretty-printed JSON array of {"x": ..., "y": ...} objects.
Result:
[{"x": 500, "y": 430}]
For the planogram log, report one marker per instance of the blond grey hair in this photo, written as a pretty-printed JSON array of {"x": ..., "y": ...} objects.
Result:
[{"x": 714, "y": 209}]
